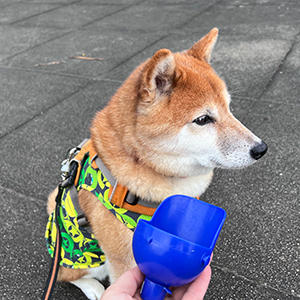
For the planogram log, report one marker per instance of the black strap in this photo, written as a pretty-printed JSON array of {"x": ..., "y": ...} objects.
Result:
[
  {"x": 133, "y": 200},
  {"x": 56, "y": 256}
]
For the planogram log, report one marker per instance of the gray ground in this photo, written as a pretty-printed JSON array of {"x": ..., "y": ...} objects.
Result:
[{"x": 45, "y": 109}]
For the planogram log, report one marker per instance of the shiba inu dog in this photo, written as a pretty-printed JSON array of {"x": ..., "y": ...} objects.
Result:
[{"x": 162, "y": 133}]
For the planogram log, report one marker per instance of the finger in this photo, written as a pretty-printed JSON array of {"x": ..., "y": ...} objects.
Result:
[
  {"x": 178, "y": 292},
  {"x": 137, "y": 295},
  {"x": 211, "y": 257},
  {"x": 129, "y": 282},
  {"x": 198, "y": 288}
]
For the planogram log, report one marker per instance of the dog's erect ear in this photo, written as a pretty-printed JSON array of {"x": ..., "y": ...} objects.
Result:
[
  {"x": 158, "y": 75},
  {"x": 203, "y": 48}
]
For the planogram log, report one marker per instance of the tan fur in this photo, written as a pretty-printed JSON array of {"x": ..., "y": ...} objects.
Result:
[
  {"x": 158, "y": 99},
  {"x": 51, "y": 201},
  {"x": 68, "y": 275},
  {"x": 115, "y": 240}
]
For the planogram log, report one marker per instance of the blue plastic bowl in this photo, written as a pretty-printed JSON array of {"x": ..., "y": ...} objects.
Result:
[{"x": 175, "y": 246}]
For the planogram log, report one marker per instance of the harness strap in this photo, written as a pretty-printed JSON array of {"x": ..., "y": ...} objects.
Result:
[
  {"x": 140, "y": 209},
  {"x": 87, "y": 147},
  {"x": 105, "y": 171},
  {"x": 118, "y": 194},
  {"x": 74, "y": 197},
  {"x": 82, "y": 221}
]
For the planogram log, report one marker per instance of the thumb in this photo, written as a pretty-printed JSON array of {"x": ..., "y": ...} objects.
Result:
[
  {"x": 129, "y": 282},
  {"x": 198, "y": 288}
]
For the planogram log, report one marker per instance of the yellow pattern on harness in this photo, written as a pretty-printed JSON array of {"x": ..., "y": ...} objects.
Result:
[{"x": 79, "y": 248}]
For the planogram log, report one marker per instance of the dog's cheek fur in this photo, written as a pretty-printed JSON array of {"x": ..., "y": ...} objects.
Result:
[{"x": 200, "y": 145}]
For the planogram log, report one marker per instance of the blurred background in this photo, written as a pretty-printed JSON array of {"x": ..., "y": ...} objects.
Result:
[{"x": 62, "y": 60}]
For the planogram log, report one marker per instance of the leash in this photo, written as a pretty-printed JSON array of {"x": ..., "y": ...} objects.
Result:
[
  {"x": 68, "y": 180},
  {"x": 51, "y": 280}
]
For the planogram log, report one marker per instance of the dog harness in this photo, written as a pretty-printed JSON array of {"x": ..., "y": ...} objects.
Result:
[{"x": 79, "y": 248}]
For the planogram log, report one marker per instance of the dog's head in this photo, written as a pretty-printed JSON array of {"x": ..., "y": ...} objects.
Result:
[{"x": 183, "y": 121}]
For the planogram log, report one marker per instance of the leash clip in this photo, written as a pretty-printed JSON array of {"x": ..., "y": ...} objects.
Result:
[{"x": 66, "y": 163}]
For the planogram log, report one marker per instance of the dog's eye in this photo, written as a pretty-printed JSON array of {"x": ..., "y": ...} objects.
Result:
[{"x": 203, "y": 120}]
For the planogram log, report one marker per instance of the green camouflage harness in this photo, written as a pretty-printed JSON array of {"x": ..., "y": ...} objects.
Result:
[{"x": 80, "y": 249}]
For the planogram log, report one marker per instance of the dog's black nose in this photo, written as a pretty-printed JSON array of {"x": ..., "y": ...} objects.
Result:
[{"x": 258, "y": 150}]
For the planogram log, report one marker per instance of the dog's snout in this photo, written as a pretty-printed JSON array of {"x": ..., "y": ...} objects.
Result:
[{"x": 258, "y": 150}]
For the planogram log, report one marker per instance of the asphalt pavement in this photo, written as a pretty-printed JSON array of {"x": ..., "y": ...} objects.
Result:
[{"x": 47, "y": 100}]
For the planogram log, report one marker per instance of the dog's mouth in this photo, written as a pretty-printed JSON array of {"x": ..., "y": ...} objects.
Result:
[{"x": 217, "y": 164}]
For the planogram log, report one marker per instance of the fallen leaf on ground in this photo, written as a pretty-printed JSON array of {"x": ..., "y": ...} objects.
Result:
[
  {"x": 85, "y": 57},
  {"x": 49, "y": 63}
]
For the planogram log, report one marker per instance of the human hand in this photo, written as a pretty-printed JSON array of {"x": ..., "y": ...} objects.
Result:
[
  {"x": 195, "y": 290},
  {"x": 127, "y": 287}
]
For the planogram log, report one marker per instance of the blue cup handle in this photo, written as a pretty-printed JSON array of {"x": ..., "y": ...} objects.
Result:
[{"x": 152, "y": 290}]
